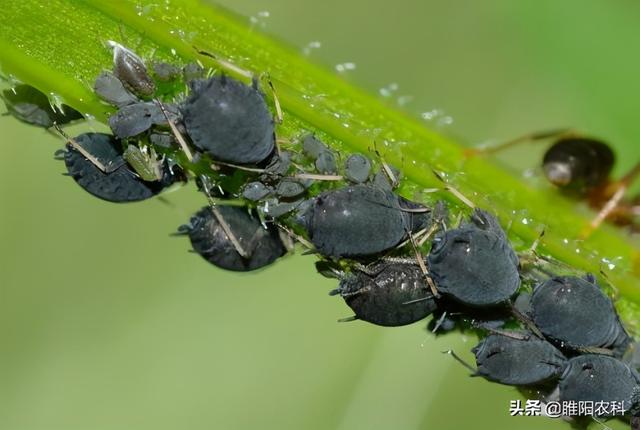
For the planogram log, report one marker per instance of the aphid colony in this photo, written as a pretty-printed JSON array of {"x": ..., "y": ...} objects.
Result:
[{"x": 564, "y": 337}]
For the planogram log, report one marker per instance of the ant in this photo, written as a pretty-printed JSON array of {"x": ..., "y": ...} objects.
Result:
[{"x": 581, "y": 167}]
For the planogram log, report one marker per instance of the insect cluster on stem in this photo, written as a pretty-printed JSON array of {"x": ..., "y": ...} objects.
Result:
[{"x": 559, "y": 333}]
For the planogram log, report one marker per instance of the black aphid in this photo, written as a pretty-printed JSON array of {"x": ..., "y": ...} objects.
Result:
[
  {"x": 359, "y": 220},
  {"x": 192, "y": 71},
  {"x": 256, "y": 191},
  {"x": 475, "y": 264},
  {"x": 518, "y": 361},
  {"x": 112, "y": 180},
  {"x": 229, "y": 120},
  {"x": 289, "y": 188},
  {"x": 388, "y": 294},
  {"x": 209, "y": 238},
  {"x": 131, "y": 71},
  {"x": 135, "y": 119},
  {"x": 324, "y": 158},
  {"x": 357, "y": 168},
  {"x": 110, "y": 89},
  {"x": 576, "y": 314},
  {"x": 598, "y": 378},
  {"x": 31, "y": 106}
]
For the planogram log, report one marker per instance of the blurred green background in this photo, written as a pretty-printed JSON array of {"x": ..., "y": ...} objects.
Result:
[{"x": 107, "y": 323}]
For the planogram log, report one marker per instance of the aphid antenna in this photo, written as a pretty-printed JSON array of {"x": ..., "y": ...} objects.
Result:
[
  {"x": 428, "y": 234},
  {"x": 423, "y": 267},
  {"x": 276, "y": 101},
  {"x": 385, "y": 167},
  {"x": 505, "y": 333},
  {"x": 348, "y": 319},
  {"x": 81, "y": 150},
  {"x": 610, "y": 206},
  {"x": 454, "y": 190},
  {"x": 237, "y": 166},
  {"x": 460, "y": 360},
  {"x": 605, "y": 277},
  {"x": 59, "y": 154},
  {"x": 318, "y": 177},
  {"x": 299, "y": 238},
  {"x": 410, "y": 302},
  {"x": 176, "y": 133},
  {"x": 225, "y": 64},
  {"x": 529, "y": 137}
]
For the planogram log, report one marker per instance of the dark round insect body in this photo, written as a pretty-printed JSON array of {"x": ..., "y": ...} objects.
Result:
[
  {"x": 255, "y": 191},
  {"x": 110, "y": 89},
  {"x": 229, "y": 120},
  {"x": 31, "y": 106},
  {"x": 289, "y": 188},
  {"x": 512, "y": 361},
  {"x": 357, "y": 168},
  {"x": 388, "y": 294},
  {"x": 119, "y": 183},
  {"x": 131, "y": 71},
  {"x": 209, "y": 239},
  {"x": 135, "y": 119},
  {"x": 576, "y": 314},
  {"x": 598, "y": 378},
  {"x": 475, "y": 264},
  {"x": 166, "y": 72},
  {"x": 359, "y": 220},
  {"x": 578, "y": 164}
]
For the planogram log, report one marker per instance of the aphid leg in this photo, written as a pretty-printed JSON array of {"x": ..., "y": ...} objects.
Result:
[
  {"x": 530, "y": 256},
  {"x": 59, "y": 154},
  {"x": 460, "y": 360},
  {"x": 621, "y": 186},
  {"x": 423, "y": 267},
  {"x": 526, "y": 321},
  {"x": 604, "y": 426},
  {"x": 454, "y": 190},
  {"x": 439, "y": 322},
  {"x": 595, "y": 350},
  {"x": 176, "y": 133},
  {"x": 318, "y": 177},
  {"x": 225, "y": 64},
  {"x": 529, "y": 137},
  {"x": 276, "y": 101},
  {"x": 81, "y": 150},
  {"x": 348, "y": 319},
  {"x": 223, "y": 223}
]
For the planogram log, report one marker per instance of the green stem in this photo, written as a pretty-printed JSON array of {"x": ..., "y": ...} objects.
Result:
[{"x": 60, "y": 49}]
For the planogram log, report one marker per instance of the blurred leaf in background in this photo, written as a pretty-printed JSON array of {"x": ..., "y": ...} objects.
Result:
[{"x": 108, "y": 323}]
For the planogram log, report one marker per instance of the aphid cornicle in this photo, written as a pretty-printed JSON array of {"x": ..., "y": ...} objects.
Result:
[
  {"x": 518, "y": 361},
  {"x": 131, "y": 70},
  {"x": 262, "y": 245},
  {"x": 388, "y": 293},
  {"x": 475, "y": 264},
  {"x": 575, "y": 313},
  {"x": 359, "y": 220},
  {"x": 31, "y": 106},
  {"x": 229, "y": 120}
]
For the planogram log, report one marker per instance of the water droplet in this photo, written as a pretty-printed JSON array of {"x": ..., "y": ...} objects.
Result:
[
  {"x": 344, "y": 67},
  {"x": 314, "y": 44}
]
